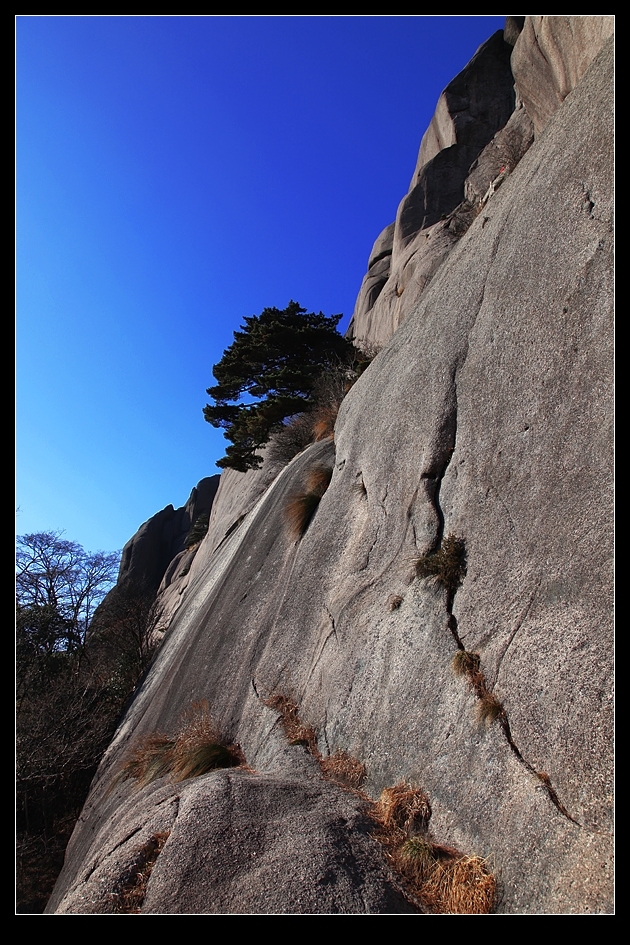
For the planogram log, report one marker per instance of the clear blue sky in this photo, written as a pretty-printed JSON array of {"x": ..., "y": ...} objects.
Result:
[{"x": 175, "y": 174}]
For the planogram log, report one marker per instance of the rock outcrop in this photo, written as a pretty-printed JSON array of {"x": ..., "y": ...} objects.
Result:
[
  {"x": 148, "y": 554},
  {"x": 483, "y": 430}
]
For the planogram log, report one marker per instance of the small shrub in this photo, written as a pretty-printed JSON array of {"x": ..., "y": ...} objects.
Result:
[
  {"x": 292, "y": 439},
  {"x": 199, "y": 530},
  {"x": 318, "y": 422},
  {"x": 447, "y": 565}
]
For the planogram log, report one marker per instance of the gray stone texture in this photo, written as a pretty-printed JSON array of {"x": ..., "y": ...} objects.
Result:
[
  {"x": 487, "y": 415},
  {"x": 550, "y": 57}
]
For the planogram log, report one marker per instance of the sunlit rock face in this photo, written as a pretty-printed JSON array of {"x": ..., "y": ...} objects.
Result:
[{"x": 486, "y": 418}]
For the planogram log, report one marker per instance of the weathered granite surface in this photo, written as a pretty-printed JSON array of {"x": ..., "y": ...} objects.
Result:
[
  {"x": 474, "y": 137},
  {"x": 488, "y": 415}
]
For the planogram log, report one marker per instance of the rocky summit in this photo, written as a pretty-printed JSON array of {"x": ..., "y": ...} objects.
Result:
[{"x": 407, "y": 702}]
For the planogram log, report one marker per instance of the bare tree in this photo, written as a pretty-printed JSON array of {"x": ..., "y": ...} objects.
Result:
[{"x": 59, "y": 577}]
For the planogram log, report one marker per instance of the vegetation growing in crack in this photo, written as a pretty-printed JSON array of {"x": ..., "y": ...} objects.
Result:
[
  {"x": 439, "y": 878},
  {"x": 489, "y": 708},
  {"x": 128, "y": 900},
  {"x": 339, "y": 766},
  {"x": 447, "y": 565},
  {"x": 199, "y": 530}
]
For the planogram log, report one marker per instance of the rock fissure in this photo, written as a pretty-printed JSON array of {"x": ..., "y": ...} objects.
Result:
[
  {"x": 517, "y": 626},
  {"x": 542, "y": 776}
]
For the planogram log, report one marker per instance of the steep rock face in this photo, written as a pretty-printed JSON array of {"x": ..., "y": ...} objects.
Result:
[
  {"x": 470, "y": 111},
  {"x": 487, "y": 417},
  {"x": 472, "y": 143},
  {"x": 550, "y": 57}
]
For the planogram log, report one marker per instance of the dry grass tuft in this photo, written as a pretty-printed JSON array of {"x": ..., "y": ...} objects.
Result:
[
  {"x": 301, "y": 506},
  {"x": 343, "y": 769},
  {"x": 149, "y": 760},
  {"x": 296, "y": 731},
  {"x": 339, "y": 767},
  {"x": 403, "y": 808},
  {"x": 196, "y": 749},
  {"x": 323, "y": 420},
  {"x": 439, "y": 877},
  {"x": 299, "y": 511},
  {"x": 489, "y": 709},
  {"x": 465, "y": 663},
  {"x": 462, "y": 886},
  {"x": 318, "y": 479},
  {"x": 129, "y": 900},
  {"x": 447, "y": 565}
]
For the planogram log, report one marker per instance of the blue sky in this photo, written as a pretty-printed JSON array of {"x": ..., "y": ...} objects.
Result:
[{"x": 175, "y": 174}]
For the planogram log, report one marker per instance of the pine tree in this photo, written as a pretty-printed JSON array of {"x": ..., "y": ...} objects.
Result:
[{"x": 274, "y": 363}]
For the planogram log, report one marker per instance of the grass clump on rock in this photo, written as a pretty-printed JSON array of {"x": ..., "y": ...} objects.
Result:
[
  {"x": 439, "y": 877},
  {"x": 301, "y": 506},
  {"x": 447, "y": 565},
  {"x": 196, "y": 749}
]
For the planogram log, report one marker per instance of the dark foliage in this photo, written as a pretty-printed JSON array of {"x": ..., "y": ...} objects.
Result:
[
  {"x": 447, "y": 564},
  {"x": 199, "y": 530},
  {"x": 274, "y": 363}
]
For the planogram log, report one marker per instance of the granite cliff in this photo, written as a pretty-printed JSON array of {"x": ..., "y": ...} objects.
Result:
[{"x": 481, "y": 429}]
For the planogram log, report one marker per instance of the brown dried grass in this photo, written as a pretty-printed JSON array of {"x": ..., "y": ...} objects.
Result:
[
  {"x": 196, "y": 749},
  {"x": 489, "y": 709},
  {"x": 437, "y": 876},
  {"x": 129, "y": 900},
  {"x": 403, "y": 808},
  {"x": 318, "y": 479},
  {"x": 465, "y": 663},
  {"x": 462, "y": 886},
  {"x": 296, "y": 731},
  {"x": 343, "y": 769},
  {"x": 301, "y": 506}
]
